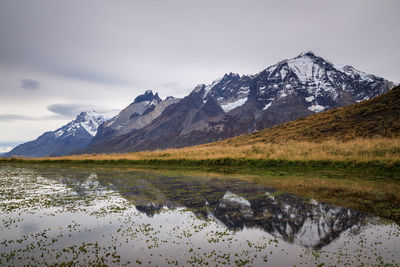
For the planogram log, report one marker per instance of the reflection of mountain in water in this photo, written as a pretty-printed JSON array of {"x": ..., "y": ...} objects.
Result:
[
  {"x": 289, "y": 217},
  {"x": 237, "y": 204}
]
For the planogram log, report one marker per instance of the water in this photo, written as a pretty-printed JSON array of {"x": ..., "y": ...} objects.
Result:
[{"x": 73, "y": 216}]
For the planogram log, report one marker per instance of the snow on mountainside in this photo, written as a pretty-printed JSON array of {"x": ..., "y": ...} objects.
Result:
[
  {"x": 320, "y": 84},
  {"x": 75, "y": 135},
  {"x": 88, "y": 121}
]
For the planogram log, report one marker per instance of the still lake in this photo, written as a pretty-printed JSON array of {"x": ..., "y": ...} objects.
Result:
[{"x": 52, "y": 215}]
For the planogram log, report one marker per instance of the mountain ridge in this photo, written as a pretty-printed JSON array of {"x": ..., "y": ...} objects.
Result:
[
  {"x": 140, "y": 113},
  {"x": 233, "y": 105}
]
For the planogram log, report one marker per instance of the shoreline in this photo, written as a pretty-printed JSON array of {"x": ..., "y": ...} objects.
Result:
[
  {"x": 236, "y": 164},
  {"x": 369, "y": 187}
]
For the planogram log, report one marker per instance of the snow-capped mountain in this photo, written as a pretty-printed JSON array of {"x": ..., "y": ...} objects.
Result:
[
  {"x": 234, "y": 104},
  {"x": 75, "y": 135},
  {"x": 318, "y": 82},
  {"x": 87, "y": 122},
  {"x": 140, "y": 113}
]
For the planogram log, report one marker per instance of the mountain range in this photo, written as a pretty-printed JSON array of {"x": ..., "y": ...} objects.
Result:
[
  {"x": 235, "y": 105},
  {"x": 230, "y": 106}
]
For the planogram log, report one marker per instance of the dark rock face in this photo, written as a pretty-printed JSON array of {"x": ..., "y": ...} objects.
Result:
[
  {"x": 235, "y": 105},
  {"x": 147, "y": 96},
  {"x": 71, "y": 137},
  {"x": 144, "y": 109}
]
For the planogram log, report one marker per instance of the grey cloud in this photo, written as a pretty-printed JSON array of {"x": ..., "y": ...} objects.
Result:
[
  {"x": 62, "y": 111},
  {"x": 67, "y": 110},
  {"x": 172, "y": 87},
  {"x": 118, "y": 43},
  {"x": 16, "y": 117},
  {"x": 12, "y": 144},
  {"x": 29, "y": 84},
  {"x": 171, "y": 84},
  {"x": 91, "y": 76},
  {"x": 71, "y": 110}
]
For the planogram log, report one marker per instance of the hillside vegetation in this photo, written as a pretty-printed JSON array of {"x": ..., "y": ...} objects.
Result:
[{"x": 378, "y": 117}]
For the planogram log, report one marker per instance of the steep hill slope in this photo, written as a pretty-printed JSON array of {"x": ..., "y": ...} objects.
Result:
[{"x": 378, "y": 117}]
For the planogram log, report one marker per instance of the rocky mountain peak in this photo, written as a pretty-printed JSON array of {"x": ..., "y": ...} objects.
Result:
[
  {"x": 307, "y": 54},
  {"x": 148, "y": 96},
  {"x": 87, "y": 115},
  {"x": 229, "y": 76},
  {"x": 140, "y": 113},
  {"x": 88, "y": 121},
  {"x": 317, "y": 84}
]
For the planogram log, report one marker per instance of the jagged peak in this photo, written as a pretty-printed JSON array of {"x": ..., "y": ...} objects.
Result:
[
  {"x": 198, "y": 88},
  {"x": 307, "y": 53},
  {"x": 226, "y": 77},
  {"x": 231, "y": 75},
  {"x": 89, "y": 112},
  {"x": 88, "y": 120},
  {"x": 147, "y": 96},
  {"x": 86, "y": 115}
]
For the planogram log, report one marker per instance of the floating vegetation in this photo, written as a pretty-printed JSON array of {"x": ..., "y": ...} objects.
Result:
[{"x": 72, "y": 216}]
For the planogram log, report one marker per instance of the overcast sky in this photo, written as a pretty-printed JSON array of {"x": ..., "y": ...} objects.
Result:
[{"x": 58, "y": 58}]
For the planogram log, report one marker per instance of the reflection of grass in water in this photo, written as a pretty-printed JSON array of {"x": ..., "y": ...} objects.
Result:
[
  {"x": 373, "y": 196},
  {"x": 361, "y": 189},
  {"x": 366, "y": 190}
]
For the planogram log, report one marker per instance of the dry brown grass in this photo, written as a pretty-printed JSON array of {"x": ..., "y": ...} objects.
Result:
[{"x": 358, "y": 150}]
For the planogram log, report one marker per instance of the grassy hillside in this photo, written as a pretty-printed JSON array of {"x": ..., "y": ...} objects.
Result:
[{"x": 378, "y": 117}]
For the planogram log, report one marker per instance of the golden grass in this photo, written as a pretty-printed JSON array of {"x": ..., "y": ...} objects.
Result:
[{"x": 358, "y": 150}]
